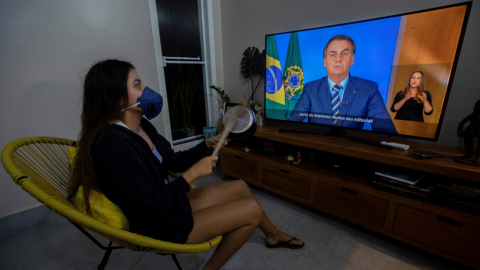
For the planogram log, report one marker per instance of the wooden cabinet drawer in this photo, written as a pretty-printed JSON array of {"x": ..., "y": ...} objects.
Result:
[
  {"x": 441, "y": 233},
  {"x": 292, "y": 183},
  {"x": 350, "y": 204},
  {"x": 240, "y": 167}
]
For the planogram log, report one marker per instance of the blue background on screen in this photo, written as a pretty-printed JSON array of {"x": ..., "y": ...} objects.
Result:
[{"x": 375, "y": 43}]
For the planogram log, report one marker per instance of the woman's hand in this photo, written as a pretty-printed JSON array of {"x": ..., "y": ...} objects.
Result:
[
  {"x": 212, "y": 141},
  {"x": 427, "y": 107},
  {"x": 422, "y": 97},
  {"x": 397, "y": 106},
  {"x": 409, "y": 95},
  {"x": 202, "y": 168}
]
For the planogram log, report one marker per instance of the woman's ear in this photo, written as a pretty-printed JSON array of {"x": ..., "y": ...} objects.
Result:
[{"x": 122, "y": 102}]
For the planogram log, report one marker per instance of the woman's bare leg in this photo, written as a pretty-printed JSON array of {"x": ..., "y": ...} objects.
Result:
[
  {"x": 236, "y": 220},
  {"x": 207, "y": 196}
]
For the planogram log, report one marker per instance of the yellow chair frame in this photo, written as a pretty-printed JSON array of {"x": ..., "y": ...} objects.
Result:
[{"x": 41, "y": 167}]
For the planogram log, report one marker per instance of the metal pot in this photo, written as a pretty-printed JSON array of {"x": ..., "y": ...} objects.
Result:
[{"x": 246, "y": 124}]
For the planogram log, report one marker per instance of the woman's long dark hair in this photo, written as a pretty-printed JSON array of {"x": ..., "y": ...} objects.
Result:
[
  {"x": 104, "y": 98},
  {"x": 421, "y": 88}
]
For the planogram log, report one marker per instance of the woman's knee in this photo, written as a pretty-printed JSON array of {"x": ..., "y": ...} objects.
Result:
[
  {"x": 255, "y": 211},
  {"x": 242, "y": 187}
]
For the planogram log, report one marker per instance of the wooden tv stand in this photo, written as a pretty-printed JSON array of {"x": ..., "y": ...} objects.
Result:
[{"x": 448, "y": 232}]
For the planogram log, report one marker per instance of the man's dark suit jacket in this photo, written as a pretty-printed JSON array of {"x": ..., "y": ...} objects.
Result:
[{"x": 361, "y": 100}]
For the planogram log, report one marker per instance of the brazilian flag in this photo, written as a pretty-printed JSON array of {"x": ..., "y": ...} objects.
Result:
[
  {"x": 275, "y": 93},
  {"x": 293, "y": 75}
]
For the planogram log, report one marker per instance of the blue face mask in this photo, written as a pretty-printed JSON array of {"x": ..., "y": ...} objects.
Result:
[{"x": 150, "y": 102}]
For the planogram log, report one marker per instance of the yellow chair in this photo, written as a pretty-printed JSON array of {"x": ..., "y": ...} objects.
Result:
[{"x": 40, "y": 165}]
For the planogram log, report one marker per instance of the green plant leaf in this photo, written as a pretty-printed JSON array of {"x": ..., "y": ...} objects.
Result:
[{"x": 221, "y": 94}]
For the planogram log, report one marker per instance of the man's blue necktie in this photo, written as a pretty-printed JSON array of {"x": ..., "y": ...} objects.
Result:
[{"x": 336, "y": 101}]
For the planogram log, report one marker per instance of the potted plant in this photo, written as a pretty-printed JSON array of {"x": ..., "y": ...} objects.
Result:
[
  {"x": 209, "y": 132},
  {"x": 221, "y": 98},
  {"x": 189, "y": 131},
  {"x": 186, "y": 82},
  {"x": 253, "y": 65}
]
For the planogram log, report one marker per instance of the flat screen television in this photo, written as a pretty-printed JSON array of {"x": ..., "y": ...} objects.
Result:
[{"x": 391, "y": 75}]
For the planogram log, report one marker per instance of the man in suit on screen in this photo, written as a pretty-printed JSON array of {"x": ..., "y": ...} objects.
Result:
[{"x": 340, "y": 99}]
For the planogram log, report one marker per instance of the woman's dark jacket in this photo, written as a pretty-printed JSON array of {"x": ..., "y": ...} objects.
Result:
[
  {"x": 132, "y": 177},
  {"x": 411, "y": 109}
]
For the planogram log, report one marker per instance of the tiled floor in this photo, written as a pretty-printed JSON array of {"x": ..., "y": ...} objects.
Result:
[{"x": 51, "y": 242}]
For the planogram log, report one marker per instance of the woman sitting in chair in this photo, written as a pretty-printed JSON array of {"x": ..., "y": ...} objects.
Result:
[{"x": 123, "y": 156}]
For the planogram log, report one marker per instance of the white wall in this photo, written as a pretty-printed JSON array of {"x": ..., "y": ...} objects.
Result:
[
  {"x": 45, "y": 49},
  {"x": 245, "y": 23}
]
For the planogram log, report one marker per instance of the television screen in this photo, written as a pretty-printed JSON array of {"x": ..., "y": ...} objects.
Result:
[{"x": 391, "y": 75}]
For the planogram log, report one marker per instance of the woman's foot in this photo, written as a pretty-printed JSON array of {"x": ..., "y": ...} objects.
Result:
[{"x": 277, "y": 238}]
